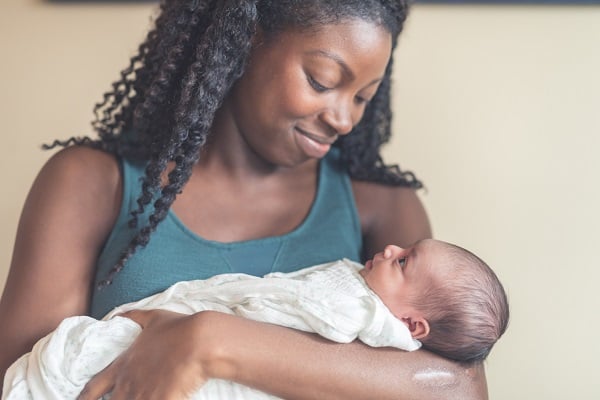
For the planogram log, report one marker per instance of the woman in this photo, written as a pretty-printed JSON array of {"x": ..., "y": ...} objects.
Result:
[{"x": 229, "y": 114}]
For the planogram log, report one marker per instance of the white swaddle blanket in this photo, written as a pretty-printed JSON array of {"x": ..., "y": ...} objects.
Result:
[{"x": 329, "y": 299}]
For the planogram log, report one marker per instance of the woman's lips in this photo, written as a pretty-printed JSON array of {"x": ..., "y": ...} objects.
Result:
[{"x": 313, "y": 146}]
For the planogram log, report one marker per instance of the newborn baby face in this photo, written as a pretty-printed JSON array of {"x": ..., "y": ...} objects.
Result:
[{"x": 399, "y": 275}]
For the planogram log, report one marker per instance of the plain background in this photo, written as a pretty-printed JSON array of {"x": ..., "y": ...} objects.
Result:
[{"x": 496, "y": 110}]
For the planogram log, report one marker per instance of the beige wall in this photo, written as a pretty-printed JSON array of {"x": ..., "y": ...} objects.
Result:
[{"x": 496, "y": 110}]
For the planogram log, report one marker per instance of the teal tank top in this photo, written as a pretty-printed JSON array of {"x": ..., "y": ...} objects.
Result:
[{"x": 331, "y": 231}]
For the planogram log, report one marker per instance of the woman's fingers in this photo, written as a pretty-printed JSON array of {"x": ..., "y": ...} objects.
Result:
[
  {"x": 161, "y": 364},
  {"x": 99, "y": 385}
]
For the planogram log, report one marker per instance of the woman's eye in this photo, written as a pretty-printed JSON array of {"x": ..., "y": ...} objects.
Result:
[
  {"x": 316, "y": 85},
  {"x": 361, "y": 100}
]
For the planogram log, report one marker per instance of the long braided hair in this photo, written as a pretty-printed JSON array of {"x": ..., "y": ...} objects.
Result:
[{"x": 162, "y": 107}]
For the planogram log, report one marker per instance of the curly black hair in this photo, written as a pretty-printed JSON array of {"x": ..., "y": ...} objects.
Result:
[{"x": 162, "y": 107}]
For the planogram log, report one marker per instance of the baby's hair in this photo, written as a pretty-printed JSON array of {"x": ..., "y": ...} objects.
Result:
[
  {"x": 162, "y": 107},
  {"x": 467, "y": 308}
]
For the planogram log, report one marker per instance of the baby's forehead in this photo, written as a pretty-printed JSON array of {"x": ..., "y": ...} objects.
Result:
[
  {"x": 432, "y": 248},
  {"x": 433, "y": 256}
]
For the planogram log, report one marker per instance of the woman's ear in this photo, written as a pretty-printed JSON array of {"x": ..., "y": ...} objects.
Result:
[{"x": 418, "y": 326}]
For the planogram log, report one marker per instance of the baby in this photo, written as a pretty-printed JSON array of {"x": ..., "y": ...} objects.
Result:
[
  {"x": 433, "y": 293},
  {"x": 448, "y": 298}
]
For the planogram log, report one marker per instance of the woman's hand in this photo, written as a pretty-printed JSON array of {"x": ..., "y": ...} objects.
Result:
[{"x": 163, "y": 363}]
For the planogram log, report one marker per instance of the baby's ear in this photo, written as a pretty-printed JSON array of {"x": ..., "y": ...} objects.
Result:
[{"x": 418, "y": 326}]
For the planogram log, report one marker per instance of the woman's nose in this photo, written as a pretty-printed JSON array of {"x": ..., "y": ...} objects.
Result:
[{"x": 339, "y": 118}]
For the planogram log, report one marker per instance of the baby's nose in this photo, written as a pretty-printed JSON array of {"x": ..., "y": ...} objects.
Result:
[{"x": 390, "y": 250}]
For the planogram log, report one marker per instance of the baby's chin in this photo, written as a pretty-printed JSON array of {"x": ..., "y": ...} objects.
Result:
[{"x": 367, "y": 268}]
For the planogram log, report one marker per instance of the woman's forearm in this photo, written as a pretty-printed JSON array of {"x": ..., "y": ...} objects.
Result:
[{"x": 297, "y": 365}]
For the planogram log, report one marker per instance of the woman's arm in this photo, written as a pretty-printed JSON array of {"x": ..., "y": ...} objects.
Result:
[
  {"x": 389, "y": 215},
  {"x": 296, "y": 365},
  {"x": 67, "y": 216}
]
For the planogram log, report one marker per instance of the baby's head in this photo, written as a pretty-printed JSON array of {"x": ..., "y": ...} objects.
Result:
[{"x": 448, "y": 297}]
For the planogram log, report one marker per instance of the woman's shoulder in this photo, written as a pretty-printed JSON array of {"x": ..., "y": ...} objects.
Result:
[
  {"x": 389, "y": 214},
  {"x": 84, "y": 167},
  {"x": 82, "y": 176},
  {"x": 82, "y": 160}
]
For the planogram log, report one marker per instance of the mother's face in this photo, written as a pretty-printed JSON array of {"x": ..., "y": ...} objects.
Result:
[{"x": 302, "y": 89}]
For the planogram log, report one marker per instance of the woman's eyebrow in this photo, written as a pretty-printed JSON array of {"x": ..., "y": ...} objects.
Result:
[{"x": 340, "y": 61}]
